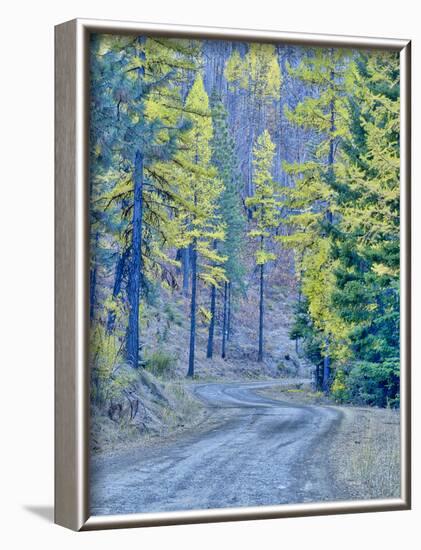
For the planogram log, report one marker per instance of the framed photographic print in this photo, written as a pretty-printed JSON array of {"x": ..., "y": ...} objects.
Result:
[{"x": 232, "y": 274}]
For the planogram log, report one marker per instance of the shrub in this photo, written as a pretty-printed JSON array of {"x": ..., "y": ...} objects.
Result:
[
  {"x": 365, "y": 383},
  {"x": 104, "y": 352},
  {"x": 288, "y": 370},
  {"x": 339, "y": 388},
  {"x": 161, "y": 364},
  {"x": 173, "y": 315}
]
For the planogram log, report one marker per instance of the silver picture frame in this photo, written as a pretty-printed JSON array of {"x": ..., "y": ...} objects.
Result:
[{"x": 72, "y": 277}]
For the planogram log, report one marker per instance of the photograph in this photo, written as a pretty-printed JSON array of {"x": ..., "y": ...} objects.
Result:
[
  {"x": 244, "y": 273},
  {"x": 210, "y": 246}
]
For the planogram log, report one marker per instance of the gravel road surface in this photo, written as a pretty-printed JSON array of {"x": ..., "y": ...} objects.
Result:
[{"x": 252, "y": 451}]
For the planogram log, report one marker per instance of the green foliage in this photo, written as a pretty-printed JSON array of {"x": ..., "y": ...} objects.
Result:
[
  {"x": 258, "y": 71},
  {"x": 136, "y": 103},
  {"x": 339, "y": 388},
  {"x": 161, "y": 364},
  {"x": 266, "y": 210},
  {"x": 104, "y": 350},
  {"x": 345, "y": 221},
  {"x": 229, "y": 207},
  {"x": 201, "y": 187},
  {"x": 172, "y": 313},
  {"x": 364, "y": 383},
  {"x": 109, "y": 378},
  {"x": 265, "y": 202},
  {"x": 368, "y": 243}
]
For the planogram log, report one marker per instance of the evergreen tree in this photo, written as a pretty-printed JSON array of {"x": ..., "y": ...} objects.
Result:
[
  {"x": 367, "y": 243},
  {"x": 265, "y": 205},
  {"x": 139, "y": 124},
  {"x": 344, "y": 211},
  {"x": 258, "y": 76},
  {"x": 229, "y": 211},
  {"x": 312, "y": 201},
  {"x": 202, "y": 190}
]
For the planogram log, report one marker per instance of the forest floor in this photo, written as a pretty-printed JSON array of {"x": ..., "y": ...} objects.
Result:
[
  {"x": 166, "y": 326},
  {"x": 261, "y": 444}
]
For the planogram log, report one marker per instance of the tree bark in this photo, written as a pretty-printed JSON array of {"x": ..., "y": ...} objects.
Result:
[
  {"x": 224, "y": 322},
  {"x": 261, "y": 314},
  {"x": 209, "y": 352},
  {"x": 297, "y": 347},
  {"x": 92, "y": 292},
  {"x": 92, "y": 281},
  {"x": 132, "y": 334},
  {"x": 190, "y": 371},
  {"x": 185, "y": 253},
  {"x": 229, "y": 312},
  {"x": 317, "y": 377},
  {"x": 326, "y": 369}
]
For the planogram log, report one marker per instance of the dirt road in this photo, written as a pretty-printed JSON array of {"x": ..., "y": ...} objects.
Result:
[{"x": 254, "y": 451}]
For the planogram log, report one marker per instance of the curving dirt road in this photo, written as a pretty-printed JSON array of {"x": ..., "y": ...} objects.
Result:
[{"x": 256, "y": 451}]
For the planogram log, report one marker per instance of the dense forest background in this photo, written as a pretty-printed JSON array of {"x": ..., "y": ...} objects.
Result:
[{"x": 244, "y": 217}]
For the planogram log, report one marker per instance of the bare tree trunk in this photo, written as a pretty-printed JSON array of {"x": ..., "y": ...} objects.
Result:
[
  {"x": 190, "y": 371},
  {"x": 297, "y": 347},
  {"x": 326, "y": 369},
  {"x": 186, "y": 269},
  {"x": 261, "y": 314},
  {"x": 229, "y": 311},
  {"x": 209, "y": 352},
  {"x": 132, "y": 334},
  {"x": 92, "y": 281},
  {"x": 224, "y": 323}
]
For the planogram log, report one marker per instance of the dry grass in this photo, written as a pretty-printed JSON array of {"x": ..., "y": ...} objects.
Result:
[
  {"x": 165, "y": 408},
  {"x": 183, "y": 411},
  {"x": 367, "y": 453},
  {"x": 364, "y": 452},
  {"x": 299, "y": 392}
]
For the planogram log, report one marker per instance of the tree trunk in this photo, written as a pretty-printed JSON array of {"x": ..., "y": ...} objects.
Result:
[
  {"x": 118, "y": 279},
  {"x": 92, "y": 292},
  {"x": 185, "y": 253},
  {"x": 261, "y": 312},
  {"x": 224, "y": 322},
  {"x": 132, "y": 334},
  {"x": 317, "y": 378},
  {"x": 326, "y": 369},
  {"x": 229, "y": 312},
  {"x": 92, "y": 281},
  {"x": 297, "y": 347},
  {"x": 190, "y": 371},
  {"x": 209, "y": 352}
]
